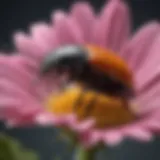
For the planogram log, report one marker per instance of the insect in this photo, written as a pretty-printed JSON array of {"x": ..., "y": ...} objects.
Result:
[{"x": 101, "y": 82}]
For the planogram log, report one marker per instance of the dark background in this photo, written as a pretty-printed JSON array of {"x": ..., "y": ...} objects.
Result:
[{"x": 18, "y": 14}]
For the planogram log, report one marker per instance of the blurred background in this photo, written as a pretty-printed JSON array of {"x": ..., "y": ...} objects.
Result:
[{"x": 18, "y": 14}]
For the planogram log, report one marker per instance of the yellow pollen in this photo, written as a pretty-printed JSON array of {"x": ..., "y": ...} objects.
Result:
[{"x": 107, "y": 111}]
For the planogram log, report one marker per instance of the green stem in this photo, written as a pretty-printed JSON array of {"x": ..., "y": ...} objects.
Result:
[{"x": 85, "y": 154}]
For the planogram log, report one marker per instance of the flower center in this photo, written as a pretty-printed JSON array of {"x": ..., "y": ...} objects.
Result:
[{"x": 108, "y": 111}]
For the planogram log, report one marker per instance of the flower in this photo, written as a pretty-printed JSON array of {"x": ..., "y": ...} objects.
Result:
[{"x": 23, "y": 93}]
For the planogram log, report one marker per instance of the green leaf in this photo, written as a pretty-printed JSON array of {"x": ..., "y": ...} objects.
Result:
[{"x": 10, "y": 149}]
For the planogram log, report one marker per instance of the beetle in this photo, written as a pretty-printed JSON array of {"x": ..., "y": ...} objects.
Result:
[
  {"x": 99, "y": 68},
  {"x": 96, "y": 70}
]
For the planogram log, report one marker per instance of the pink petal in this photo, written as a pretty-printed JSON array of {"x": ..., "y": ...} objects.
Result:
[
  {"x": 151, "y": 65},
  {"x": 148, "y": 103},
  {"x": 19, "y": 61},
  {"x": 139, "y": 134},
  {"x": 58, "y": 15},
  {"x": 8, "y": 106},
  {"x": 20, "y": 72},
  {"x": 113, "y": 28},
  {"x": 83, "y": 126},
  {"x": 46, "y": 118},
  {"x": 18, "y": 82},
  {"x": 20, "y": 113},
  {"x": 45, "y": 36},
  {"x": 112, "y": 137},
  {"x": 10, "y": 90},
  {"x": 153, "y": 122},
  {"x": 8, "y": 101},
  {"x": 25, "y": 62},
  {"x": 4, "y": 58},
  {"x": 25, "y": 45},
  {"x": 68, "y": 120},
  {"x": 140, "y": 46},
  {"x": 83, "y": 14},
  {"x": 21, "y": 120},
  {"x": 67, "y": 30}
]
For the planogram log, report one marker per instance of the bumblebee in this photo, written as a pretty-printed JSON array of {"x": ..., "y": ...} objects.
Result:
[{"x": 100, "y": 84}]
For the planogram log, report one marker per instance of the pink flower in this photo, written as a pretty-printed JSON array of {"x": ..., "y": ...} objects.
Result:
[{"x": 22, "y": 96}]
